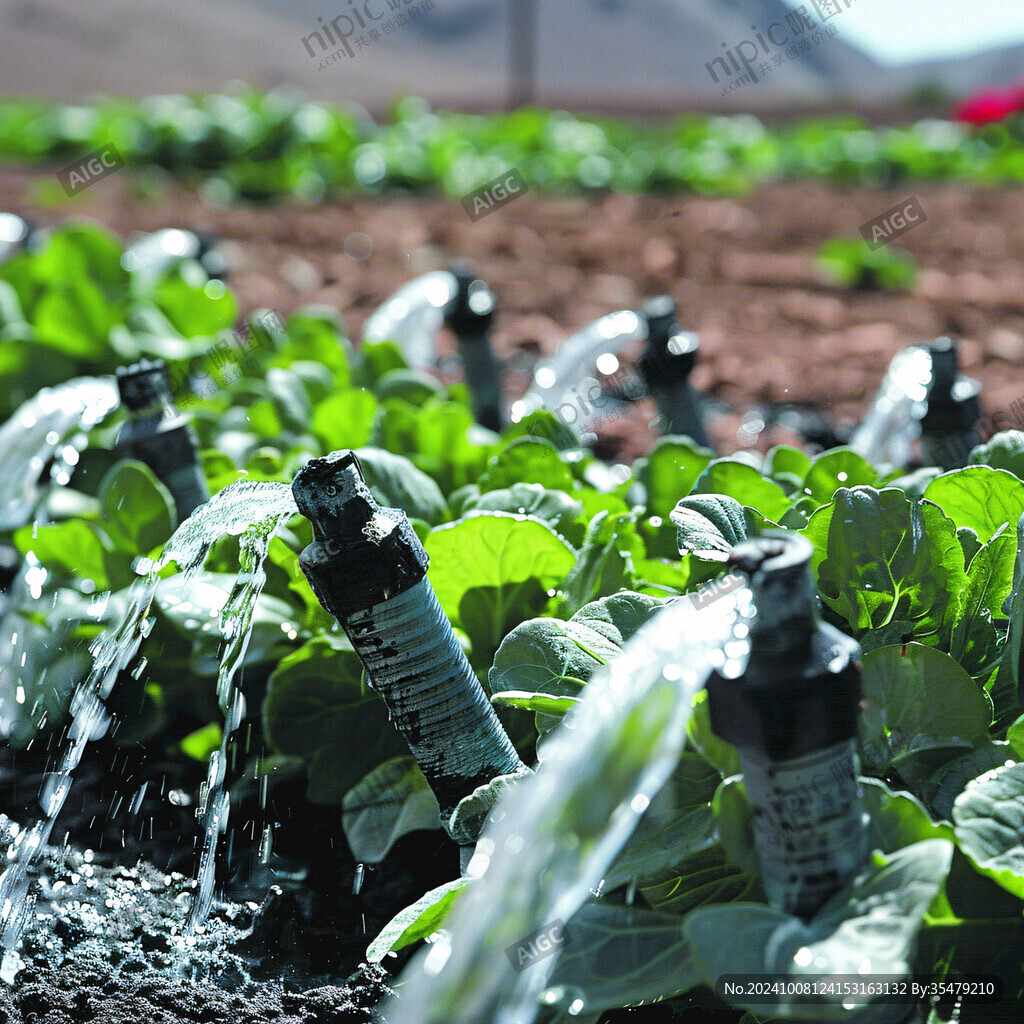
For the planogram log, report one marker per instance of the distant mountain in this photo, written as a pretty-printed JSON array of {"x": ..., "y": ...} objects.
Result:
[{"x": 591, "y": 54}]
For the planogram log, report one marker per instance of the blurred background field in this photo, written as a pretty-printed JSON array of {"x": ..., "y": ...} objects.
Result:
[{"x": 732, "y": 161}]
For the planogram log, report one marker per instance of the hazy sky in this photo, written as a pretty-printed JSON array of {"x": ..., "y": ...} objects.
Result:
[{"x": 894, "y": 30}]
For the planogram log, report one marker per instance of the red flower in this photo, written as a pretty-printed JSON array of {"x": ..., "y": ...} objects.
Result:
[{"x": 991, "y": 106}]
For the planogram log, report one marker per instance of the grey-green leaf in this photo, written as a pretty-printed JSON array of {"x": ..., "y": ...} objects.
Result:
[
  {"x": 917, "y": 698},
  {"x": 415, "y": 922},
  {"x": 989, "y": 820},
  {"x": 873, "y": 920},
  {"x": 391, "y": 801},
  {"x": 621, "y": 956},
  {"x": 708, "y": 526}
]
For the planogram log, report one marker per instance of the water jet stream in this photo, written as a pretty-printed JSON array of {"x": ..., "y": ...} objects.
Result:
[
  {"x": 52, "y": 420},
  {"x": 248, "y": 509},
  {"x": 551, "y": 843}
]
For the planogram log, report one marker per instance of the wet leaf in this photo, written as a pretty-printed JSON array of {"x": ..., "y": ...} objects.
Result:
[
  {"x": 989, "y": 820},
  {"x": 416, "y": 922}
]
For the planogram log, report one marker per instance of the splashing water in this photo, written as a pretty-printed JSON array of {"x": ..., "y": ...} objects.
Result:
[
  {"x": 250, "y": 509},
  {"x": 550, "y": 845},
  {"x": 236, "y": 629},
  {"x": 889, "y": 429},
  {"x": 52, "y": 423}
]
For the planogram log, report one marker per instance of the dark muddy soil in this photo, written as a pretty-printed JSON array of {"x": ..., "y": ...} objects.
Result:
[{"x": 106, "y": 946}]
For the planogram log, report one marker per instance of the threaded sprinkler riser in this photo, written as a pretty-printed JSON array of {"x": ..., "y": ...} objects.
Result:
[
  {"x": 411, "y": 654},
  {"x": 808, "y": 824},
  {"x": 792, "y": 714}
]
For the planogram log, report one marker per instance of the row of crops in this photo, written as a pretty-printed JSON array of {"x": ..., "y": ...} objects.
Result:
[
  {"x": 546, "y": 562},
  {"x": 261, "y": 146}
]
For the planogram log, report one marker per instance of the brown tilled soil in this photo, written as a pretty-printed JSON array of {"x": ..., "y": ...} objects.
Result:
[{"x": 741, "y": 269}]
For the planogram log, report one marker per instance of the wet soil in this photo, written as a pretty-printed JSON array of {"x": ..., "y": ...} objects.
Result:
[{"x": 106, "y": 945}]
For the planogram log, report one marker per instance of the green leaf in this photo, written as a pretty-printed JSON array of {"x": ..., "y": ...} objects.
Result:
[
  {"x": 972, "y": 637},
  {"x": 787, "y": 461},
  {"x": 377, "y": 359},
  {"x": 345, "y": 419},
  {"x": 191, "y": 306},
  {"x": 412, "y": 386},
  {"x": 699, "y": 734},
  {"x": 1004, "y": 450},
  {"x": 137, "y": 509},
  {"x": 527, "y": 460},
  {"x": 916, "y": 699},
  {"x": 941, "y": 790},
  {"x": 619, "y": 616},
  {"x": 880, "y": 559},
  {"x": 549, "y": 656},
  {"x": 562, "y": 512},
  {"x": 873, "y": 920},
  {"x": 202, "y": 742},
  {"x": 622, "y": 956},
  {"x": 670, "y": 471},
  {"x": 979, "y": 497},
  {"x": 543, "y": 703},
  {"x": 543, "y": 425},
  {"x": 389, "y": 802},
  {"x": 395, "y": 482},
  {"x": 838, "y": 467},
  {"x": 441, "y": 438},
  {"x": 896, "y": 818},
  {"x": 467, "y": 820},
  {"x": 193, "y": 607},
  {"x": 492, "y": 570},
  {"x": 705, "y": 877},
  {"x": 554, "y": 657},
  {"x": 317, "y": 708},
  {"x": 75, "y": 318},
  {"x": 989, "y": 820},
  {"x": 1009, "y": 683},
  {"x": 746, "y": 485},
  {"x": 612, "y": 549},
  {"x": 709, "y": 527},
  {"x": 677, "y": 823},
  {"x": 416, "y": 922},
  {"x": 73, "y": 546}
]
